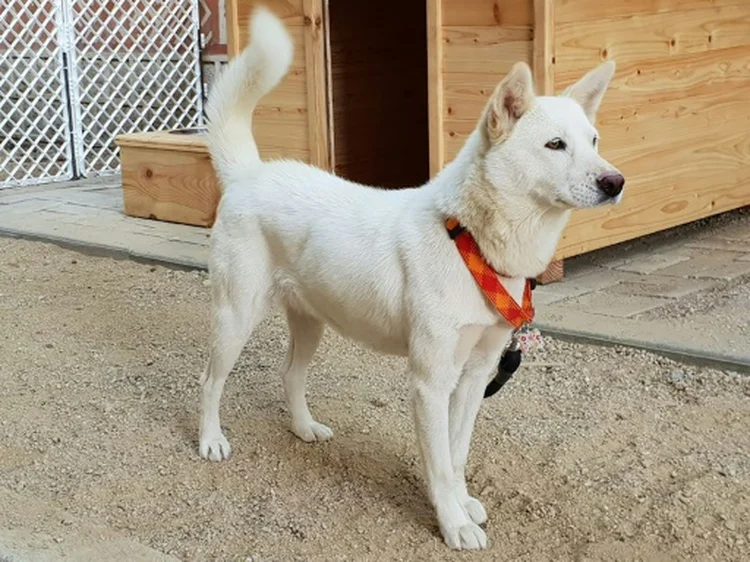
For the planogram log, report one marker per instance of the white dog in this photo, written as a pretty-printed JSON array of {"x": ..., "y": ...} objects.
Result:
[{"x": 379, "y": 267}]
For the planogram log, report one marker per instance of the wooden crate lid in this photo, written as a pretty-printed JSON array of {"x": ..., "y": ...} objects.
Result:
[{"x": 165, "y": 140}]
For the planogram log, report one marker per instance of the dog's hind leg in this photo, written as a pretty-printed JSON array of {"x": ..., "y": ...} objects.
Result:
[
  {"x": 239, "y": 305},
  {"x": 304, "y": 335}
]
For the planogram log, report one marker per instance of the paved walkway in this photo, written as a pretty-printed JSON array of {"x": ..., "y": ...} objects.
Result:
[
  {"x": 685, "y": 292},
  {"x": 90, "y": 214}
]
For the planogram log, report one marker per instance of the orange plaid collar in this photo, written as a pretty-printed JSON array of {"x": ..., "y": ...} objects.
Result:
[{"x": 489, "y": 280}]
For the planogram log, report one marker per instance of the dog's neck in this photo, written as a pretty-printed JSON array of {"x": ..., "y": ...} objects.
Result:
[{"x": 517, "y": 237}]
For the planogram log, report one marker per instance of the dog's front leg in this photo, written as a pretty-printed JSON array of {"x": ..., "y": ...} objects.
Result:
[
  {"x": 465, "y": 402},
  {"x": 432, "y": 385}
]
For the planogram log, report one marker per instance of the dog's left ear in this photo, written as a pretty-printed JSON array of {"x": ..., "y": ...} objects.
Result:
[
  {"x": 590, "y": 89},
  {"x": 513, "y": 97}
]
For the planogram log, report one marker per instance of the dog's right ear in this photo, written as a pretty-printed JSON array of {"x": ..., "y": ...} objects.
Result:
[{"x": 513, "y": 97}]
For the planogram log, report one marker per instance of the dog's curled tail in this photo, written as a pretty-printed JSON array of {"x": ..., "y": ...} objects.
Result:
[{"x": 247, "y": 78}]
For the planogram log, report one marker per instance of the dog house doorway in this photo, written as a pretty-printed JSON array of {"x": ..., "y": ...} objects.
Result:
[{"x": 378, "y": 86}]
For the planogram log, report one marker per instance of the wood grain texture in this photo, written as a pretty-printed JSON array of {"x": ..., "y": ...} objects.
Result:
[
  {"x": 435, "y": 84},
  {"x": 465, "y": 97},
  {"x": 171, "y": 184},
  {"x": 544, "y": 47},
  {"x": 282, "y": 121},
  {"x": 650, "y": 37},
  {"x": 475, "y": 59},
  {"x": 486, "y": 49},
  {"x": 165, "y": 140},
  {"x": 317, "y": 88},
  {"x": 644, "y": 87},
  {"x": 641, "y": 215},
  {"x": 583, "y": 11},
  {"x": 291, "y": 11},
  {"x": 481, "y": 41},
  {"x": 236, "y": 38},
  {"x": 674, "y": 120},
  {"x": 501, "y": 13}
]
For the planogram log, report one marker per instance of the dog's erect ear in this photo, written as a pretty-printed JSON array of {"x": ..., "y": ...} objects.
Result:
[
  {"x": 590, "y": 89},
  {"x": 512, "y": 98}
]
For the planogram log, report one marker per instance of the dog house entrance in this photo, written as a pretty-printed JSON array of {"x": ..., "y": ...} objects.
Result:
[{"x": 378, "y": 84}]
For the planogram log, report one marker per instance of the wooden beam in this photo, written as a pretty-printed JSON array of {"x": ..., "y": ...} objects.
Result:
[
  {"x": 553, "y": 273},
  {"x": 233, "y": 31},
  {"x": 435, "y": 92},
  {"x": 544, "y": 47},
  {"x": 544, "y": 78},
  {"x": 318, "y": 118},
  {"x": 329, "y": 87}
]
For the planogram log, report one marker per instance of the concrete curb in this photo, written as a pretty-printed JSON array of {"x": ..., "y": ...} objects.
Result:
[
  {"x": 685, "y": 354},
  {"x": 104, "y": 250},
  {"x": 739, "y": 363}
]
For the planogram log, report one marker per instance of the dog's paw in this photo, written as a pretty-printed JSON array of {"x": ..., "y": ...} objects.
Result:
[
  {"x": 475, "y": 510},
  {"x": 313, "y": 432},
  {"x": 215, "y": 449},
  {"x": 465, "y": 537}
]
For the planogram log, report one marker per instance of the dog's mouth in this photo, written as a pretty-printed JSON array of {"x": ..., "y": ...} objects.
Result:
[
  {"x": 590, "y": 198},
  {"x": 607, "y": 200}
]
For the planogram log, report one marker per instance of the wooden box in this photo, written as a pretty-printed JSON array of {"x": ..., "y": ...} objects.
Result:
[{"x": 168, "y": 176}]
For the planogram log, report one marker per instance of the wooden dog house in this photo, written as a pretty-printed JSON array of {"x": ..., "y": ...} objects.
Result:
[
  {"x": 353, "y": 102},
  {"x": 385, "y": 93}
]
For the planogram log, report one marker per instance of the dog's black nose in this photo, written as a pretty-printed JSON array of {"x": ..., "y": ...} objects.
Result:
[{"x": 611, "y": 183}]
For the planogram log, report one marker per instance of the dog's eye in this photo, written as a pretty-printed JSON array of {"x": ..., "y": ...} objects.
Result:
[
  {"x": 595, "y": 141},
  {"x": 556, "y": 144}
]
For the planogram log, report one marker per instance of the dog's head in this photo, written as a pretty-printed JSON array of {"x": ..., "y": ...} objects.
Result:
[{"x": 548, "y": 146}]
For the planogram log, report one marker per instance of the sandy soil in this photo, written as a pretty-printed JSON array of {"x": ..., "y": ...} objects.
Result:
[{"x": 588, "y": 454}]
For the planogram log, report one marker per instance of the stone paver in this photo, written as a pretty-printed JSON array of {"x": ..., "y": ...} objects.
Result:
[
  {"x": 605, "y": 303},
  {"x": 650, "y": 263},
  {"x": 687, "y": 294},
  {"x": 722, "y": 244},
  {"x": 663, "y": 287},
  {"x": 590, "y": 282},
  {"x": 714, "y": 265},
  {"x": 604, "y": 295},
  {"x": 547, "y": 296}
]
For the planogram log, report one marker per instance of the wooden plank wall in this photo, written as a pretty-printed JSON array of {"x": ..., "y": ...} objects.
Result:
[
  {"x": 677, "y": 116},
  {"x": 292, "y": 121},
  {"x": 481, "y": 40}
]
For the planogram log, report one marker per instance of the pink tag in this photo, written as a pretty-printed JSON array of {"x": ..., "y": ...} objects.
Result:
[{"x": 529, "y": 339}]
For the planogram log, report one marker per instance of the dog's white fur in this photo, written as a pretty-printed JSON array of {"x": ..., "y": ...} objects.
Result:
[{"x": 378, "y": 266}]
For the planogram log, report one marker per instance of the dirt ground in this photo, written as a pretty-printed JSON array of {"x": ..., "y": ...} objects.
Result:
[{"x": 588, "y": 454}]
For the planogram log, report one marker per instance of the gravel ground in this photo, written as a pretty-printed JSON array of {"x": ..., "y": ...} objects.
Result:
[{"x": 588, "y": 454}]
